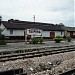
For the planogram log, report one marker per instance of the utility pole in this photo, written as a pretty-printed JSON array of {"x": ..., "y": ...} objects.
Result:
[
  {"x": 25, "y": 34},
  {"x": 34, "y": 18}
]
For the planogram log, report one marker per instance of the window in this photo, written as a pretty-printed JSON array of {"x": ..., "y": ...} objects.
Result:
[
  {"x": 34, "y": 30},
  {"x": 39, "y": 31},
  {"x": 11, "y": 31},
  {"x": 61, "y": 32},
  {"x": 29, "y": 31}
]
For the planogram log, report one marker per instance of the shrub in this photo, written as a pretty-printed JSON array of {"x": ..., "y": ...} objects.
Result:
[
  {"x": 2, "y": 37},
  {"x": 36, "y": 40},
  {"x": 57, "y": 39},
  {"x": 41, "y": 40},
  {"x": 2, "y": 40},
  {"x": 68, "y": 39}
]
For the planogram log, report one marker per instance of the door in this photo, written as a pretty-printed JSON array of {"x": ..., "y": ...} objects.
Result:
[
  {"x": 28, "y": 37},
  {"x": 52, "y": 35},
  {"x": 71, "y": 34}
]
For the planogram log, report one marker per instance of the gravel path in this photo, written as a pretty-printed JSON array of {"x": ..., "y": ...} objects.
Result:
[{"x": 32, "y": 65}]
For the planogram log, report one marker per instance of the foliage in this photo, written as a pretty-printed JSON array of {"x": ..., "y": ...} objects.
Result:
[
  {"x": 0, "y": 19},
  {"x": 1, "y": 30},
  {"x": 2, "y": 40},
  {"x": 36, "y": 40},
  {"x": 40, "y": 40},
  {"x": 57, "y": 39},
  {"x": 2, "y": 37},
  {"x": 69, "y": 39}
]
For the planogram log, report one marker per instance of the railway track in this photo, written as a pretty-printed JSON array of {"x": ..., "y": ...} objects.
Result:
[{"x": 34, "y": 52}]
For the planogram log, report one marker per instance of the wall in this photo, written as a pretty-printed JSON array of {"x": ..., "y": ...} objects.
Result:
[
  {"x": 5, "y": 32},
  {"x": 47, "y": 33},
  {"x": 34, "y": 34},
  {"x": 58, "y": 33},
  {"x": 74, "y": 33},
  {"x": 15, "y": 32}
]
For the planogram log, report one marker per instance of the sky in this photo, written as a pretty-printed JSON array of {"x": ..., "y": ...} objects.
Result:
[{"x": 47, "y": 11}]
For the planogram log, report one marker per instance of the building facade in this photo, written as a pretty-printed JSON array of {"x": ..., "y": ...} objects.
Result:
[{"x": 20, "y": 29}]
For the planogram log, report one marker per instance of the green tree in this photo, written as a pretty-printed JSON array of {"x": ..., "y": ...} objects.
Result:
[
  {"x": 0, "y": 24},
  {"x": 1, "y": 16},
  {"x": 1, "y": 30},
  {"x": 0, "y": 19}
]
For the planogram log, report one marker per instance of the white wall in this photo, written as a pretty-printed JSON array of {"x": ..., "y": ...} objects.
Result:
[
  {"x": 21, "y": 33},
  {"x": 73, "y": 33},
  {"x": 15, "y": 32},
  {"x": 45, "y": 33},
  {"x": 58, "y": 33},
  {"x": 5, "y": 32},
  {"x": 2, "y": 26}
]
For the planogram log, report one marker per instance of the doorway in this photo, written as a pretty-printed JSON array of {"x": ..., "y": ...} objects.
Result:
[{"x": 52, "y": 35}]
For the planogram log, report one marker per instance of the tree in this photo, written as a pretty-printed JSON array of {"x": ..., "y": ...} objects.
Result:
[
  {"x": 0, "y": 19},
  {"x": 1, "y": 30},
  {"x": 0, "y": 24}
]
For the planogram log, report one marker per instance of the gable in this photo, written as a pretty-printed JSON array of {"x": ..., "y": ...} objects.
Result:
[{"x": 2, "y": 26}]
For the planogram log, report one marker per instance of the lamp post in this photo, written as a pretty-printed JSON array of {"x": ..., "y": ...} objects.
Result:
[
  {"x": 25, "y": 33},
  {"x": 34, "y": 18}
]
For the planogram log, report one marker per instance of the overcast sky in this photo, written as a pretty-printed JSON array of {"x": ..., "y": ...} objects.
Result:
[{"x": 49, "y": 11}]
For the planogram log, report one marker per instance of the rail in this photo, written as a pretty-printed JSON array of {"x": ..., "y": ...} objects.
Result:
[{"x": 43, "y": 51}]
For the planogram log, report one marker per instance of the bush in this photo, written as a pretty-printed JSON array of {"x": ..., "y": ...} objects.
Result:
[
  {"x": 2, "y": 40},
  {"x": 36, "y": 40},
  {"x": 41, "y": 40},
  {"x": 68, "y": 39},
  {"x": 2, "y": 37},
  {"x": 57, "y": 39}
]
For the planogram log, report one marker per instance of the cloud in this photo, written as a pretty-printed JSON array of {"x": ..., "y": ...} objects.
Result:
[{"x": 51, "y": 11}]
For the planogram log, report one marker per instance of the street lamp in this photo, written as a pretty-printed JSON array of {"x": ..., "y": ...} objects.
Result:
[{"x": 25, "y": 33}]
